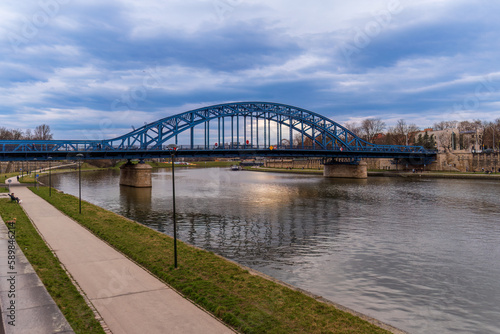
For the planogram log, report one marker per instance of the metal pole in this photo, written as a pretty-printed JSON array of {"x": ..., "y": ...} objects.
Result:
[
  {"x": 257, "y": 131},
  {"x": 50, "y": 176},
  {"x": 251, "y": 130},
  {"x": 80, "y": 186},
  {"x": 79, "y": 156},
  {"x": 192, "y": 137},
  {"x": 34, "y": 182},
  {"x": 232, "y": 131},
  {"x": 265, "y": 131},
  {"x": 173, "y": 209},
  {"x": 269, "y": 129},
  {"x": 278, "y": 130}
]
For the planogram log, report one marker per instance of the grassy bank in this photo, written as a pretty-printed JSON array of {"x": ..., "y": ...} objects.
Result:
[
  {"x": 247, "y": 302},
  {"x": 68, "y": 299},
  {"x": 30, "y": 178},
  {"x": 386, "y": 173}
]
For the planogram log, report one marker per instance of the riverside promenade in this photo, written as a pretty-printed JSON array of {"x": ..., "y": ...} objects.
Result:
[{"x": 127, "y": 297}]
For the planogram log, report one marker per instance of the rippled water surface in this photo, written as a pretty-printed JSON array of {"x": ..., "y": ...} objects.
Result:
[{"x": 421, "y": 255}]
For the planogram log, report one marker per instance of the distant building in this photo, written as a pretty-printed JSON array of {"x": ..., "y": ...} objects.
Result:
[{"x": 454, "y": 140}]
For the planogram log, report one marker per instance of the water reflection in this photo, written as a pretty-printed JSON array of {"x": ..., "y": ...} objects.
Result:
[{"x": 421, "y": 255}]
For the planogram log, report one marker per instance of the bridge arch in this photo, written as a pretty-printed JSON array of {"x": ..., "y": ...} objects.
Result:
[
  {"x": 306, "y": 134},
  {"x": 313, "y": 129}
]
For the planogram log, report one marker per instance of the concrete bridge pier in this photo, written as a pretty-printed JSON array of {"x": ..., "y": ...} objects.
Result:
[
  {"x": 136, "y": 175},
  {"x": 346, "y": 170}
]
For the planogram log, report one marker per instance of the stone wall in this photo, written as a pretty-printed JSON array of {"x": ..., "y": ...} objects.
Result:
[
  {"x": 346, "y": 171},
  {"x": 136, "y": 175},
  {"x": 447, "y": 161},
  {"x": 467, "y": 162},
  {"x": 314, "y": 163}
]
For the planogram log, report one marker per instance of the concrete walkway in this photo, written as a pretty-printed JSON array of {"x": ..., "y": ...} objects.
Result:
[
  {"x": 128, "y": 298},
  {"x": 26, "y": 305}
]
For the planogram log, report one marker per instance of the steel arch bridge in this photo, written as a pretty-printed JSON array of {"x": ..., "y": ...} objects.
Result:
[{"x": 236, "y": 129}]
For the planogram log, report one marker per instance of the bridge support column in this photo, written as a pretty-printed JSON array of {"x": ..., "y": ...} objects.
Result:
[
  {"x": 339, "y": 170},
  {"x": 136, "y": 175}
]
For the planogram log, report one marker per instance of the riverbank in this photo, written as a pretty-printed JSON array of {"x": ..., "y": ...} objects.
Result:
[
  {"x": 428, "y": 175},
  {"x": 439, "y": 175},
  {"x": 246, "y": 301}
]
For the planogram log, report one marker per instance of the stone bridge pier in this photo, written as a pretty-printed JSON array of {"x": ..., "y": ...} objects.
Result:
[
  {"x": 136, "y": 175},
  {"x": 345, "y": 168}
]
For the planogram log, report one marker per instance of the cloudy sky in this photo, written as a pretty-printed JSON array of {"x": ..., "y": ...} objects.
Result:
[{"x": 93, "y": 69}]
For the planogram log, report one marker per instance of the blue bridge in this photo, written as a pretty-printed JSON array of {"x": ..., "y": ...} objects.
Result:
[{"x": 243, "y": 129}]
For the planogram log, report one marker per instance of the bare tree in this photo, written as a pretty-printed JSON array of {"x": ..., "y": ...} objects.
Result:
[
  {"x": 496, "y": 134},
  {"x": 353, "y": 127},
  {"x": 445, "y": 125},
  {"x": 7, "y": 134},
  {"x": 17, "y": 134},
  {"x": 470, "y": 126},
  {"x": 402, "y": 132},
  {"x": 370, "y": 127},
  {"x": 444, "y": 139},
  {"x": 491, "y": 134},
  {"x": 285, "y": 142},
  {"x": 4, "y": 133},
  {"x": 42, "y": 132},
  {"x": 28, "y": 134}
]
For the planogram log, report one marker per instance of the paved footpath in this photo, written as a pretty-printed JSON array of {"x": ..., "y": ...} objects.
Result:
[{"x": 128, "y": 298}]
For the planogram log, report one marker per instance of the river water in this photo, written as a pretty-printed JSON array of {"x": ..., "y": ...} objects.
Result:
[{"x": 421, "y": 255}]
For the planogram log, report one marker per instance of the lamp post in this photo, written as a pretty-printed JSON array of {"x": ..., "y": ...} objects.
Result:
[
  {"x": 50, "y": 176},
  {"x": 79, "y": 156},
  {"x": 173, "y": 148},
  {"x": 34, "y": 183}
]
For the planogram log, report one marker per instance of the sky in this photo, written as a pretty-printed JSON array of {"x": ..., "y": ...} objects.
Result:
[{"x": 95, "y": 69}]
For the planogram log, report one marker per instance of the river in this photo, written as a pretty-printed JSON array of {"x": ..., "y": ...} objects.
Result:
[{"x": 421, "y": 255}]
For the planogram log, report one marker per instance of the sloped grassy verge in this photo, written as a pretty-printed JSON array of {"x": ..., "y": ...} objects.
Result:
[
  {"x": 47, "y": 266},
  {"x": 246, "y": 302}
]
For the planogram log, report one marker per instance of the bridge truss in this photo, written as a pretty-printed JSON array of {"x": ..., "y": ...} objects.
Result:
[{"x": 233, "y": 129}]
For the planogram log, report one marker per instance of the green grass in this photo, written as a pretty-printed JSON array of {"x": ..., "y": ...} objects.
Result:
[
  {"x": 73, "y": 306},
  {"x": 247, "y": 302},
  {"x": 30, "y": 178},
  {"x": 4, "y": 177}
]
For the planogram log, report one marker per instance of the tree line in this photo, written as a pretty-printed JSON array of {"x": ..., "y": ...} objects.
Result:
[
  {"x": 373, "y": 130},
  {"x": 41, "y": 132}
]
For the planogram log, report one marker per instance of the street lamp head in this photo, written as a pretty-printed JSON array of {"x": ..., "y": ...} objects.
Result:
[
  {"x": 79, "y": 155},
  {"x": 49, "y": 158}
]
